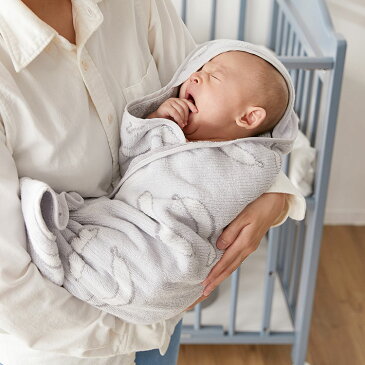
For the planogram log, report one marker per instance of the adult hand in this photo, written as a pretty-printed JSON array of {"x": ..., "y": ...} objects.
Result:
[{"x": 243, "y": 235}]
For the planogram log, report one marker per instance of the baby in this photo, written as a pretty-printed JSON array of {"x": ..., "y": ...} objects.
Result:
[{"x": 234, "y": 95}]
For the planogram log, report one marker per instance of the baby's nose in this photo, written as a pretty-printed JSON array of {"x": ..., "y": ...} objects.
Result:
[{"x": 195, "y": 78}]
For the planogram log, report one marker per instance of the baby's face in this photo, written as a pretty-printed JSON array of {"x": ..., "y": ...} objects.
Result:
[{"x": 219, "y": 91}]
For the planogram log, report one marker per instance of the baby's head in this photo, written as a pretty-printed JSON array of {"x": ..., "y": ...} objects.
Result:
[{"x": 237, "y": 95}]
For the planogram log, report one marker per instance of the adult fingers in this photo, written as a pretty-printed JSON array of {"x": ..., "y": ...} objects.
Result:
[
  {"x": 231, "y": 232},
  {"x": 243, "y": 245},
  {"x": 226, "y": 260},
  {"x": 203, "y": 297},
  {"x": 222, "y": 276}
]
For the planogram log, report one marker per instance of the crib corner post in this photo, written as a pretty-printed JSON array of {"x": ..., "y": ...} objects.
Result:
[{"x": 303, "y": 313}]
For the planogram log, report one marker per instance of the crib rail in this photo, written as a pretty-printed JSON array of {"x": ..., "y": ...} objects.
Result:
[{"x": 314, "y": 56}]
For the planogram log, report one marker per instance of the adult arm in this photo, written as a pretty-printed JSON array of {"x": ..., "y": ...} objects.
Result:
[
  {"x": 244, "y": 234},
  {"x": 42, "y": 315}
]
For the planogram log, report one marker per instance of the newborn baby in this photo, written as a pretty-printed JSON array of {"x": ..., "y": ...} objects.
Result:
[
  {"x": 234, "y": 95},
  {"x": 142, "y": 252}
]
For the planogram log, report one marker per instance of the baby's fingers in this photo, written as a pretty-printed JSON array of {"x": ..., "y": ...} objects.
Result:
[
  {"x": 190, "y": 105},
  {"x": 178, "y": 115},
  {"x": 183, "y": 114},
  {"x": 183, "y": 107}
]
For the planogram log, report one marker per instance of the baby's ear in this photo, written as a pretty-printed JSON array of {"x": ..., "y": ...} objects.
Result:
[{"x": 252, "y": 118}]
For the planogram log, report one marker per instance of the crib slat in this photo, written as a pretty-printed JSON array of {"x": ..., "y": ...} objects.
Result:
[
  {"x": 308, "y": 82},
  {"x": 290, "y": 54},
  {"x": 286, "y": 163},
  {"x": 297, "y": 50},
  {"x": 301, "y": 108},
  {"x": 299, "y": 89},
  {"x": 288, "y": 39},
  {"x": 291, "y": 41},
  {"x": 197, "y": 316},
  {"x": 282, "y": 241},
  {"x": 314, "y": 109},
  {"x": 271, "y": 265},
  {"x": 184, "y": 10},
  {"x": 233, "y": 302},
  {"x": 284, "y": 43},
  {"x": 294, "y": 282},
  {"x": 241, "y": 22},
  {"x": 282, "y": 30},
  {"x": 279, "y": 32},
  {"x": 274, "y": 26},
  {"x": 289, "y": 251},
  {"x": 213, "y": 20}
]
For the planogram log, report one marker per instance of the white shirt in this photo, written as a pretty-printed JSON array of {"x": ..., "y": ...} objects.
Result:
[{"x": 60, "y": 107}]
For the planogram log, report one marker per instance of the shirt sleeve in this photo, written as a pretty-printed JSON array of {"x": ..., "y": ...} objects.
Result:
[
  {"x": 169, "y": 39},
  {"x": 45, "y": 316},
  {"x": 295, "y": 204},
  {"x": 42, "y": 315}
]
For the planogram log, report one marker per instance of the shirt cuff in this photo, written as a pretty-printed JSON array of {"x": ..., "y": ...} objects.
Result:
[{"x": 295, "y": 204}]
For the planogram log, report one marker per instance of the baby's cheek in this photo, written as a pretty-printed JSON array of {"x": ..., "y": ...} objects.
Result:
[
  {"x": 183, "y": 89},
  {"x": 218, "y": 114}
]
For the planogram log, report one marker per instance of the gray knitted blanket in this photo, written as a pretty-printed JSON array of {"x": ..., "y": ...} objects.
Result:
[{"x": 142, "y": 252}]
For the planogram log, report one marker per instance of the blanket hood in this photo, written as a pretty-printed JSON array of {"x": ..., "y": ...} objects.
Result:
[{"x": 284, "y": 133}]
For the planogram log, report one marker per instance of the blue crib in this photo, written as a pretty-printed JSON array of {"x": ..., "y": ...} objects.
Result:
[{"x": 302, "y": 35}]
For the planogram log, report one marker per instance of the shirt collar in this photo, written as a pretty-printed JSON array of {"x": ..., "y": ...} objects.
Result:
[{"x": 24, "y": 34}]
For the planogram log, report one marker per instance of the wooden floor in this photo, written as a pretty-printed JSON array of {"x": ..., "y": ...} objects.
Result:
[{"x": 337, "y": 335}]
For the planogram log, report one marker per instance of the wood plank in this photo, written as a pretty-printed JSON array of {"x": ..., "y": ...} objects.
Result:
[{"x": 337, "y": 333}]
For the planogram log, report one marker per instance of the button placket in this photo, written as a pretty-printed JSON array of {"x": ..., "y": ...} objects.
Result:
[
  {"x": 85, "y": 65},
  {"x": 103, "y": 105}
]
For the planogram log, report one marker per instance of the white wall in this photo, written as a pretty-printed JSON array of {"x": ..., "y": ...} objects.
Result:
[
  {"x": 199, "y": 15},
  {"x": 346, "y": 196}
]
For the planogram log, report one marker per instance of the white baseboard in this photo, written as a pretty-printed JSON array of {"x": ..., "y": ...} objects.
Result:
[{"x": 343, "y": 217}]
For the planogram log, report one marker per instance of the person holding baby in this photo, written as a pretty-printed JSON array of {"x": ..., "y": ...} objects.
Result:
[{"x": 67, "y": 70}]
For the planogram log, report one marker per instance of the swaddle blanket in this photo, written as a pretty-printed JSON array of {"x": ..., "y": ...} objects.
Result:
[{"x": 142, "y": 252}]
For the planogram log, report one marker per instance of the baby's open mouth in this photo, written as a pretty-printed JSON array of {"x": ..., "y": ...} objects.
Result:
[{"x": 190, "y": 98}]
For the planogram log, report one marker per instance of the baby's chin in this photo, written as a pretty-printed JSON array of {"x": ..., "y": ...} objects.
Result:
[{"x": 190, "y": 129}]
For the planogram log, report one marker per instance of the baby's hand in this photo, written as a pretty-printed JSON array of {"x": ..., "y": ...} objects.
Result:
[{"x": 175, "y": 109}]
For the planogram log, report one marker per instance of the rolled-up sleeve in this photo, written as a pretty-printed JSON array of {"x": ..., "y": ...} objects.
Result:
[{"x": 295, "y": 203}]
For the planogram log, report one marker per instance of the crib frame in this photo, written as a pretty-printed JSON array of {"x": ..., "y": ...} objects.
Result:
[{"x": 303, "y": 37}]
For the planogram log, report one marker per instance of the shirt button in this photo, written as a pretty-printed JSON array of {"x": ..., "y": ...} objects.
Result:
[
  {"x": 90, "y": 12},
  {"x": 84, "y": 65},
  {"x": 110, "y": 118}
]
